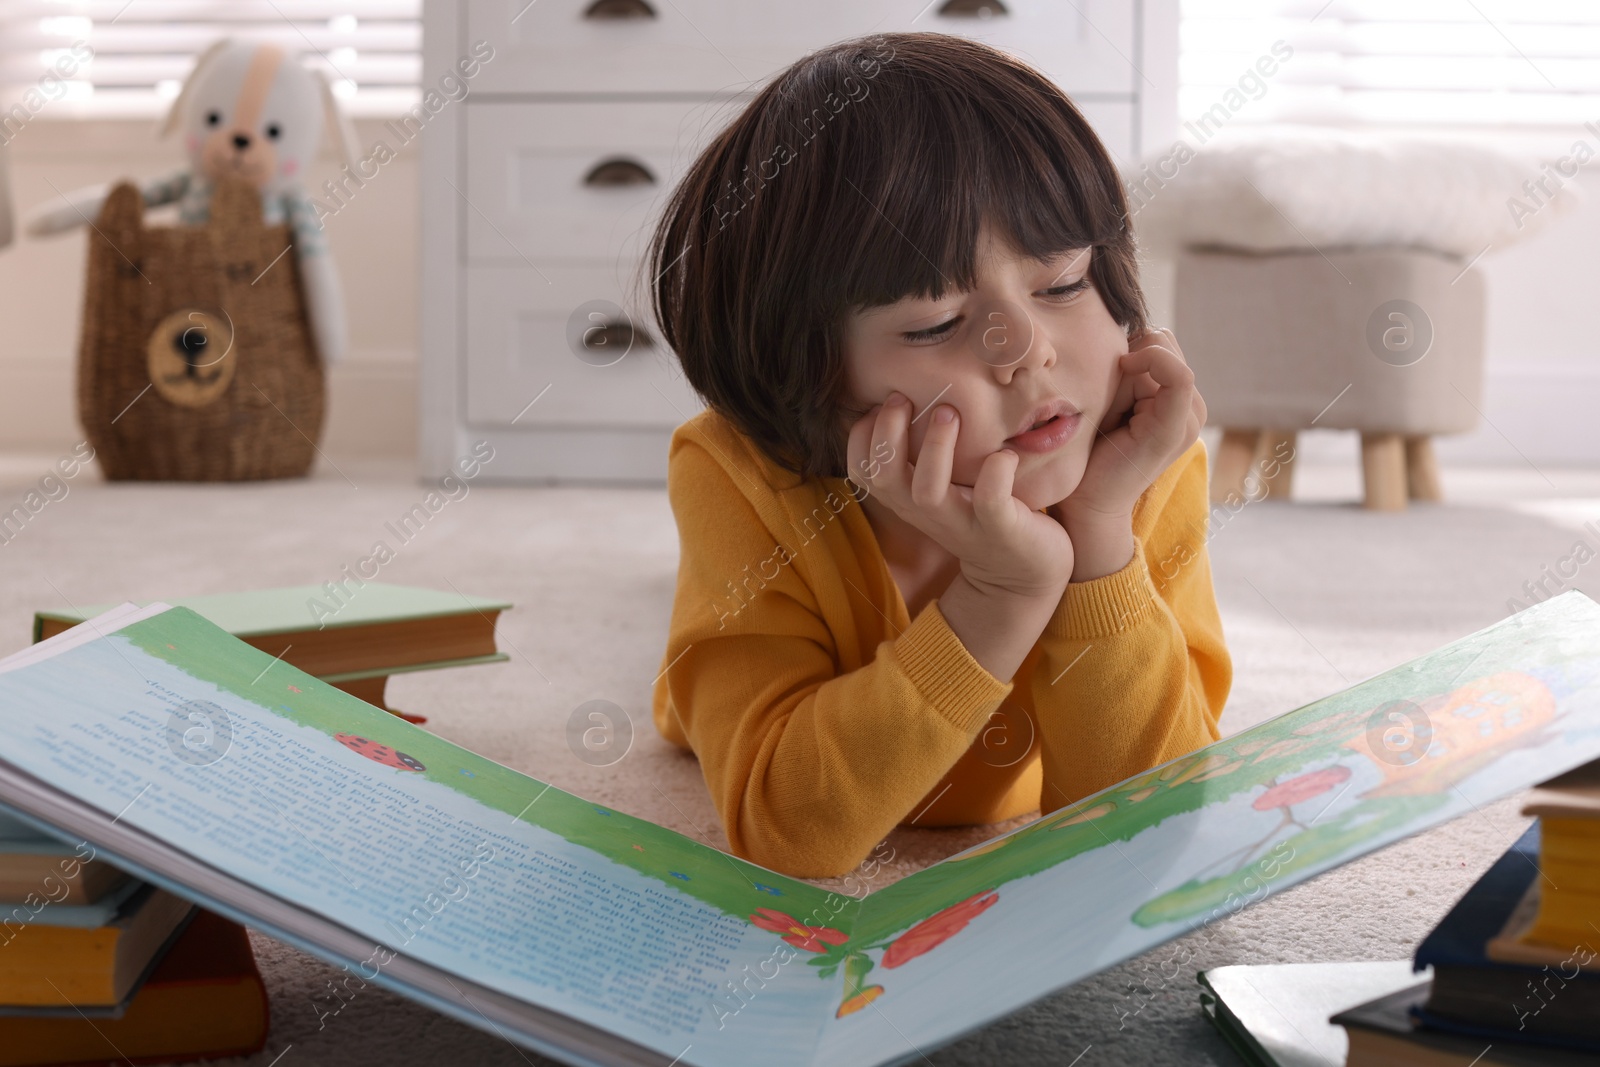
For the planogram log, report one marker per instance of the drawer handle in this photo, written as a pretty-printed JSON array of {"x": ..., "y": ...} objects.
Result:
[
  {"x": 618, "y": 171},
  {"x": 619, "y": 9},
  {"x": 615, "y": 336},
  {"x": 972, "y": 8}
]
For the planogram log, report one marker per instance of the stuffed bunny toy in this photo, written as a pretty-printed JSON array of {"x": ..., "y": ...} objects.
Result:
[{"x": 247, "y": 111}]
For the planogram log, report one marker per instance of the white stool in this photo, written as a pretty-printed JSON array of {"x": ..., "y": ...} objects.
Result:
[
  {"x": 1326, "y": 279},
  {"x": 1385, "y": 342}
]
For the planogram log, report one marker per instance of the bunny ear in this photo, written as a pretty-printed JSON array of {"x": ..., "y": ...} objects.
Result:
[
  {"x": 204, "y": 60},
  {"x": 339, "y": 126}
]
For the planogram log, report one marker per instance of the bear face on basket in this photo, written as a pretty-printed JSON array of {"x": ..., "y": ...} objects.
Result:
[{"x": 196, "y": 361}]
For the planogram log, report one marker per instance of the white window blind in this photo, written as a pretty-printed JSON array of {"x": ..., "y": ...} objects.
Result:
[
  {"x": 1503, "y": 63},
  {"x": 142, "y": 49}
]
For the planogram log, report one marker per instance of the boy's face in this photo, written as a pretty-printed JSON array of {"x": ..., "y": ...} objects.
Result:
[{"x": 1031, "y": 333}]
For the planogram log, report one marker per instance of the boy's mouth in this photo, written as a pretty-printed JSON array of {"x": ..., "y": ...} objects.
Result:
[
  {"x": 1043, "y": 412},
  {"x": 1045, "y": 423},
  {"x": 1047, "y": 436}
]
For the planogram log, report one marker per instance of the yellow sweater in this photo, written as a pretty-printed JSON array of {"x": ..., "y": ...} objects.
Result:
[{"x": 823, "y": 716}]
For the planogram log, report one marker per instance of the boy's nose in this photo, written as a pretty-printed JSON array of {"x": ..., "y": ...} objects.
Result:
[{"x": 1006, "y": 337}]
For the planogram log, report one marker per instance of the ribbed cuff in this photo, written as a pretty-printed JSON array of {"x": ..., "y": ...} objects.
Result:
[
  {"x": 944, "y": 672},
  {"x": 1107, "y": 605}
]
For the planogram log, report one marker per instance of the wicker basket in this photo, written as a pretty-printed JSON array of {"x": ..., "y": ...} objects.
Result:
[{"x": 196, "y": 362}]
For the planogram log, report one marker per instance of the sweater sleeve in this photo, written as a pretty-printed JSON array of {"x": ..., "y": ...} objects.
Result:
[
  {"x": 809, "y": 766},
  {"x": 1132, "y": 669}
]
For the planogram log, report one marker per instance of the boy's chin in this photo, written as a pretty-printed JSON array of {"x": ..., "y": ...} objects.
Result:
[
  {"x": 1044, "y": 485},
  {"x": 1044, "y": 488},
  {"x": 1049, "y": 485}
]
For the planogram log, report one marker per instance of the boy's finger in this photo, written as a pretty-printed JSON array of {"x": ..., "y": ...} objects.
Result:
[
  {"x": 991, "y": 491},
  {"x": 1163, "y": 366},
  {"x": 857, "y": 467},
  {"x": 1175, "y": 402},
  {"x": 1172, "y": 343},
  {"x": 1122, "y": 399},
  {"x": 930, "y": 480},
  {"x": 1142, "y": 337},
  {"x": 889, "y": 443},
  {"x": 1171, "y": 403}
]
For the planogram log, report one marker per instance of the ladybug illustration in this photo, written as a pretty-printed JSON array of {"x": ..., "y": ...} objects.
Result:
[{"x": 378, "y": 753}]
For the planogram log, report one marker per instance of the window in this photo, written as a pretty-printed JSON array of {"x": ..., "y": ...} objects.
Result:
[
  {"x": 142, "y": 49},
  {"x": 1428, "y": 63}
]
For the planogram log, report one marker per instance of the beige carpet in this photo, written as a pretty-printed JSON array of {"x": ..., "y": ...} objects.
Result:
[{"x": 1315, "y": 595}]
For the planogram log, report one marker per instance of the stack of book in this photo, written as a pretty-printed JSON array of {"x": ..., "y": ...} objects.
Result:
[
  {"x": 98, "y": 967},
  {"x": 1510, "y": 976},
  {"x": 352, "y": 637},
  {"x": 1516, "y": 963}
]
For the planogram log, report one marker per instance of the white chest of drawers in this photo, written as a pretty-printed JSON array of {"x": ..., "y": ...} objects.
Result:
[{"x": 539, "y": 187}]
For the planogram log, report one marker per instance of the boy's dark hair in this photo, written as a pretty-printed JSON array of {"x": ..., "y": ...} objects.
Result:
[{"x": 859, "y": 176}]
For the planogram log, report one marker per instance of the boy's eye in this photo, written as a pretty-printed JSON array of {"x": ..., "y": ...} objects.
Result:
[
  {"x": 932, "y": 333},
  {"x": 1061, "y": 294},
  {"x": 1068, "y": 291}
]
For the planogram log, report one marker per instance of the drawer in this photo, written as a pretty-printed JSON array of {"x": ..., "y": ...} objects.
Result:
[
  {"x": 528, "y": 184},
  {"x": 550, "y": 46},
  {"x": 576, "y": 182},
  {"x": 522, "y": 333},
  {"x": 1084, "y": 46}
]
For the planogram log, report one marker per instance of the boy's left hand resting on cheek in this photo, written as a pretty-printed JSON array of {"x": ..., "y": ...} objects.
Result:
[{"x": 1155, "y": 416}]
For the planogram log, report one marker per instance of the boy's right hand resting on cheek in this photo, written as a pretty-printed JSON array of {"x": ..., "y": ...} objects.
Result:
[{"x": 1015, "y": 562}]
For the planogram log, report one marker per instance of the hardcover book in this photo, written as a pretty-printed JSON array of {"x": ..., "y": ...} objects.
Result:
[
  {"x": 204, "y": 999},
  {"x": 354, "y": 634},
  {"x": 343, "y": 633}
]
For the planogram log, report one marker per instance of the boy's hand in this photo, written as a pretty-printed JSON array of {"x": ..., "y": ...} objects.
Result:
[
  {"x": 1004, "y": 546},
  {"x": 1155, "y": 416}
]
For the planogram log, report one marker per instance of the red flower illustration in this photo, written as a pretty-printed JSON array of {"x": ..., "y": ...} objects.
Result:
[
  {"x": 797, "y": 933},
  {"x": 935, "y": 930},
  {"x": 1306, "y": 786}
]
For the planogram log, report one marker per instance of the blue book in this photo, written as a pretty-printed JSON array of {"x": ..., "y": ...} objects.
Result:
[
  {"x": 37, "y": 870},
  {"x": 1384, "y": 1033},
  {"x": 47, "y": 907},
  {"x": 1553, "y": 1004},
  {"x": 14, "y": 833}
]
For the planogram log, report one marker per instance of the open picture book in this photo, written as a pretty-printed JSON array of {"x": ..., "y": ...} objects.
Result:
[{"x": 232, "y": 779}]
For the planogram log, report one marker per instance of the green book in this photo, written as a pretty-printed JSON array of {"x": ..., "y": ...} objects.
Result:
[{"x": 342, "y": 634}]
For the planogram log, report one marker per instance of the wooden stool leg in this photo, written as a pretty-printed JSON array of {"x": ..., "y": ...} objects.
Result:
[
  {"x": 1383, "y": 471},
  {"x": 1422, "y": 470},
  {"x": 1235, "y": 456},
  {"x": 1275, "y": 461}
]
